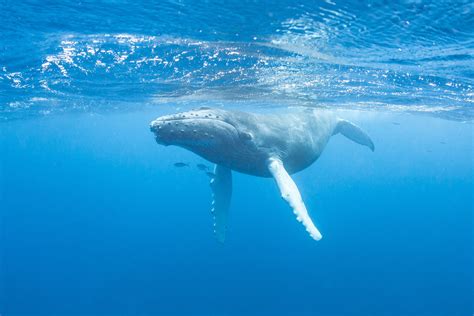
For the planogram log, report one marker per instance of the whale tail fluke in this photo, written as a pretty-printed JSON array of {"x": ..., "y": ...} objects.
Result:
[{"x": 354, "y": 133}]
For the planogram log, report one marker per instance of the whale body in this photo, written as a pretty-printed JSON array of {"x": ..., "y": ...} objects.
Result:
[{"x": 263, "y": 145}]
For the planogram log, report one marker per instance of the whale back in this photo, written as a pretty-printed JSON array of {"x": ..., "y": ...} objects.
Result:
[
  {"x": 296, "y": 138},
  {"x": 299, "y": 138}
]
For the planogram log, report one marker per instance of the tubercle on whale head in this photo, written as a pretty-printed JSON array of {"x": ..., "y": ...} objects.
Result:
[{"x": 204, "y": 131}]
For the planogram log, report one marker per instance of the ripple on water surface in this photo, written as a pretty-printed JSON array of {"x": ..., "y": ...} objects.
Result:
[{"x": 412, "y": 55}]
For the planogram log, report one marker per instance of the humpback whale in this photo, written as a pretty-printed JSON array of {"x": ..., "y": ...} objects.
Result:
[{"x": 262, "y": 145}]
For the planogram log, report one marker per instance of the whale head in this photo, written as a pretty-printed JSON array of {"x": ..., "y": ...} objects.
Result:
[{"x": 210, "y": 133}]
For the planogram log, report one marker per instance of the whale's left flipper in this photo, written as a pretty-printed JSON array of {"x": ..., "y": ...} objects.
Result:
[
  {"x": 290, "y": 193},
  {"x": 221, "y": 185}
]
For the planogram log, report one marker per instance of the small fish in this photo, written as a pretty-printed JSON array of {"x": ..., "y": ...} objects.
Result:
[
  {"x": 181, "y": 164},
  {"x": 395, "y": 123},
  {"x": 444, "y": 143},
  {"x": 210, "y": 174},
  {"x": 202, "y": 167}
]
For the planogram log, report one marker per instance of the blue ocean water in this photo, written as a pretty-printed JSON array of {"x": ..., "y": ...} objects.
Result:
[{"x": 96, "y": 220}]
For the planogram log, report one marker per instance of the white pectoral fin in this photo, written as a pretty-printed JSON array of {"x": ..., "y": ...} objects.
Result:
[
  {"x": 290, "y": 193},
  {"x": 221, "y": 185}
]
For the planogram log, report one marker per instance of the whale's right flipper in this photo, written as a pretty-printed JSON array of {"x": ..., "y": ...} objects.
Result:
[
  {"x": 221, "y": 185},
  {"x": 290, "y": 193},
  {"x": 354, "y": 133}
]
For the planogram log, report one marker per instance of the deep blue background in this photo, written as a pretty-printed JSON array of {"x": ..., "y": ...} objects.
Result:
[{"x": 97, "y": 220}]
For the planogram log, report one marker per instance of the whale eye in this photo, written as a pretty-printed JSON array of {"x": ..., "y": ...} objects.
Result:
[{"x": 245, "y": 135}]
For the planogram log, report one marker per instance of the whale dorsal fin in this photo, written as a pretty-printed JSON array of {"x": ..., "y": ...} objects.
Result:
[
  {"x": 221, "y": 185},
  {"x": 290, "y": 193}
]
